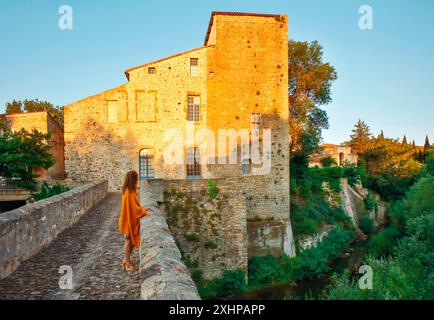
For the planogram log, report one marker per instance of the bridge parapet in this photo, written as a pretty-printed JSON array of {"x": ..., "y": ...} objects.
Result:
[
  {"x": 163, "y": 275},
  {"x": 24, "y": 231}
]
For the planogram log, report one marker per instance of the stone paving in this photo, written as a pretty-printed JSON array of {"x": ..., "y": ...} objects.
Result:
[{"x": 93, "y": 247}]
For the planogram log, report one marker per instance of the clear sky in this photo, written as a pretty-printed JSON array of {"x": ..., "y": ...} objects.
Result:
[{"x": 386, "y": 75}]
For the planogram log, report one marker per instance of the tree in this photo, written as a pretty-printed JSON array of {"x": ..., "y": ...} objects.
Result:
[
  {"x": 35, "y": 105},
  {"x": 413, "y": 144},
  {"x": 310, "y": 81},
  {"x": 426, "y": 145},
  {"x": 14, "y": 107},
  {"x": 381, "y": 135},
  {"x": 391, "y": 166},
  {"x": 309, "y": 84},
  {"x": 404, "y": 140},
  {"x": 360, "y": 138},
  {"x": 23, "y": 151}
]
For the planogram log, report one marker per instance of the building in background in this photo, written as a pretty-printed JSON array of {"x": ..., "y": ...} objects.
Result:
[
  {"x": 339, "y": 153},
  {"x": 44, "y": 123}
]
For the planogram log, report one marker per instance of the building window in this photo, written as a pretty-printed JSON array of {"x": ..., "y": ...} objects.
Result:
[
  {"x": 112, "y": 111},
  {"x": 193, "y": 112},
  {"x": 146, "y": 164},
  {"x": 245, "y": 167},
  {"x": 193, "y": 163},
  {"x": 255, "y": 121},
  {"x": 194, "y": 67},
  {"x": 341, "y": 159},
  {"x": 151, "y": 70}
]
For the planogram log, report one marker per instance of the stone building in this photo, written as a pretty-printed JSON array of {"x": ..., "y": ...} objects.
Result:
[
  {"x": 236, "y": 81},
  {"x": 340, "y": 153},
  {"x": 44, "y": 123}
]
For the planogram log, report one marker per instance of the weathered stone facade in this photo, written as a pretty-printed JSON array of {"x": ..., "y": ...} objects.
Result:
[
  {"x": 212, "y": 233},
  {"x": 24, "y": 231},
  {"x": 241, "y": 71},
  {"x": 44, "y": 123}
]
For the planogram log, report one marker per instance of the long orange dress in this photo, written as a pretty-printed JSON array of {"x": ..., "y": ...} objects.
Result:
[{"x": 131, "y": 213}]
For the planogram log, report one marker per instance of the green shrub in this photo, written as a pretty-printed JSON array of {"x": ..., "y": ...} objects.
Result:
[
  {"x": 332, "y": 175},
  {"x": 353, "y": 173},
  {"x": 370, "y": 202},
  {"x": 328, "y": 162},
  {"x": 46, "y": 191},
  {"x": 306, "y": 218},
  {"x": 313, "y": 262},
  {"x": 420, "y": 199},
  {"x": 308, "y": 226},
  {"x": 366, "y": 224},
  {"x": 266, "y": 270},
  {"x": 389, "y": 186},
  {"x": 212, "y": 189},
  {"x": 192, "y": 237},
  {"x": 231, "y": 283},
  {"x": 210, "y": 245},
  {"x": 382, "y": 243},
  {"x": 310, "y": 263}
]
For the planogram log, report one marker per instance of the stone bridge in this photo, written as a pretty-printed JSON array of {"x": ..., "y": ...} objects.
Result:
[{"x": 79, "y": 229}]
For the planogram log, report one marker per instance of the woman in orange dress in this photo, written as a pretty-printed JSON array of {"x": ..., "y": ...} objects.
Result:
[{"x": 129, "y": 219}]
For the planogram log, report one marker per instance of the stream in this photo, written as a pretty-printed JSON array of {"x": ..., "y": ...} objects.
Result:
[{"x": 350, "y": 259}]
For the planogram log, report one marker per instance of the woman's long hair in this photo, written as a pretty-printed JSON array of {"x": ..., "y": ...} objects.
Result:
[{"x": 130, "y": 181}]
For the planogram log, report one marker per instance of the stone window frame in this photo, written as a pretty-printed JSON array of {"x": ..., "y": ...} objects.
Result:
[
  {"x": 193, "y": 170},
  {"x": 150, "y": 165},
  {"x": 152, "y": 70},
  {"x": 194, "y": 67},
  {"x": 193, "y": 110}
]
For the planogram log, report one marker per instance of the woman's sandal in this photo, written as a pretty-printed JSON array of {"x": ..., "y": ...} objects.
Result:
[{"x": 129, "y": 267}]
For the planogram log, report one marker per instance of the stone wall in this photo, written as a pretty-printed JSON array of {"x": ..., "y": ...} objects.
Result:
[
  {"x": 24, "y": 231},
  {"x": 352, "y": 201},
  {"x": 313, "y": 240},
  {"x": 212, "y": 233},
  {"x": 163, "y": 275}
]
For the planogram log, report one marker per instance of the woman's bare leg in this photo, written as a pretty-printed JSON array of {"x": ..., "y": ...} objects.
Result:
[{"x": 128, "y": 247}]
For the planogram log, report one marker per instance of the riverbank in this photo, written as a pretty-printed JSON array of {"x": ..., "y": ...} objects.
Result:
[{"x": 350, "y": 260}]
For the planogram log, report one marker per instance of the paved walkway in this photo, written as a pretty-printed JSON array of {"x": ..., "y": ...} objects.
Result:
[{"x": 93, "y": 247}]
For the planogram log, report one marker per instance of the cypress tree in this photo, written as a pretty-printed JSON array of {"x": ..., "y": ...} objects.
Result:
[{"x": 426, "y": 145}]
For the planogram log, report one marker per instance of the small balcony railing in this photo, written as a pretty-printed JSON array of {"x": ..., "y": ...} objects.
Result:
[{"x": 17, "y": 184}]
